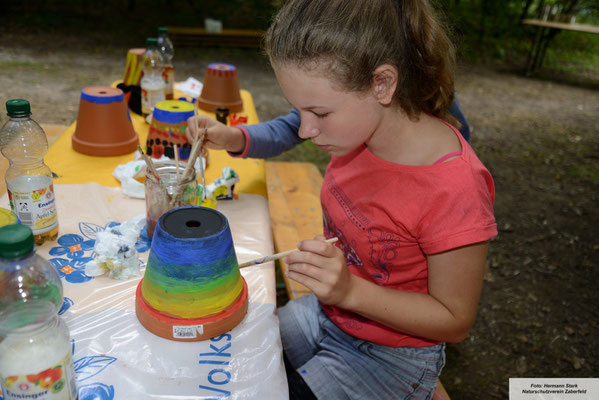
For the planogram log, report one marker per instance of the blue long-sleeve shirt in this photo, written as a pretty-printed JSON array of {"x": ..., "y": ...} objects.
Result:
[{"x": 271, "y": 138}]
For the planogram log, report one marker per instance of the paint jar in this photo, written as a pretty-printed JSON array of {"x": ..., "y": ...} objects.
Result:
[{"x": 171, "y": 190}]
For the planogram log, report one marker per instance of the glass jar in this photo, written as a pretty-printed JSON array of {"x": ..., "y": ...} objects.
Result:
[{"x": 171, "y": 191}]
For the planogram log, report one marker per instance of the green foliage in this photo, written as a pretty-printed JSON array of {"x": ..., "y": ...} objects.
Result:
[{"x": 490, "y": 30}]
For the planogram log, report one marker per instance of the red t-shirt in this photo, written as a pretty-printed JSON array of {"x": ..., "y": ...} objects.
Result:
[{"x": 389, "y": 216}]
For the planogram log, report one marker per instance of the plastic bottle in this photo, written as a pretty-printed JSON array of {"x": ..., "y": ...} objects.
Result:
[
  {"x": 35, "y": 345},
  {"x": 28, "y": 179},
  {"x": 168, "y": 51},
  {"x": 152, "y": 82}
]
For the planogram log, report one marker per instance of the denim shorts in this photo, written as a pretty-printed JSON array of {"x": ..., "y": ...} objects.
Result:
[{"x": 336, "y": 365}]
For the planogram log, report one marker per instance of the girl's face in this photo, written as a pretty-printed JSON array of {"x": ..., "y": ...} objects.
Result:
[{"x": 336, "y": 121}]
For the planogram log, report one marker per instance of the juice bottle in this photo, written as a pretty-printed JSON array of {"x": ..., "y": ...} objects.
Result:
[{"x": 28, "y": 179}]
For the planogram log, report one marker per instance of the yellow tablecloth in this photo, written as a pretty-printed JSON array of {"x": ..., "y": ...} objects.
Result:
[{"x": 73, "y": 167}]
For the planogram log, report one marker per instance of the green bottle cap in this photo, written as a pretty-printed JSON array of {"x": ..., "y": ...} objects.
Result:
[
  {"x": 16, "y": 241},
  {"x": 151, "y": 41},
  {"x": 162, "y": 29},
  {"x": 18, "y": 108}
]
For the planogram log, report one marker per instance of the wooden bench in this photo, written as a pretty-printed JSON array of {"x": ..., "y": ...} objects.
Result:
[
  {"x": 295, "y": 214},
  {"x": 190, "y": 36}
]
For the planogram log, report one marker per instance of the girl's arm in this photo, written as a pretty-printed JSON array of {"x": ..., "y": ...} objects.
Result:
[
  {"x": 446, "y": 313},
  {"x": 262, "y": 140}
]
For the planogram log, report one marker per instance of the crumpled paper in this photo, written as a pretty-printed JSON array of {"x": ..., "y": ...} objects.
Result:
[
  {"x": 115, "y": 251},
  {"x": 191, "y": 87}
]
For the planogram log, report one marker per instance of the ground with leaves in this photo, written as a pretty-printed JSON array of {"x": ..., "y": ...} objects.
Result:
[{"x": 538, "y": 136}]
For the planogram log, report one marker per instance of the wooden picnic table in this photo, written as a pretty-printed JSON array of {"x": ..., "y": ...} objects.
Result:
[
  {"x": 543, "y": 36},
  {"x": 114, "y": 356},
  {"x": 194, "y": 36}
]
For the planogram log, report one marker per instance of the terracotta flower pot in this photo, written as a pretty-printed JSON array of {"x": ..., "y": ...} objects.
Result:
[
  {"x": 220, "y": 88},
  {"x": 104, "y": 126},
  {"x": 192, "y": 288}
]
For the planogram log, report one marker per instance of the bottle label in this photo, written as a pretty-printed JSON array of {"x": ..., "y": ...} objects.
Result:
[
  {"x": 32, "y": 199},
  {"x": 150, "y": 96},
  {"x": 169, "y": 79},
  {"x": 55, "y": 383}
]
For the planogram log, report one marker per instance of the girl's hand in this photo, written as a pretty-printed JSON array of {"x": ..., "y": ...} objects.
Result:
[
  {"x": 321, "y": 267},
  {"x": 218, "y": 136}
]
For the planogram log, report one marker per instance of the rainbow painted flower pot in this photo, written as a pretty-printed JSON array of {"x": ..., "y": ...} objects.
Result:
[{"x": 192, "y": 288}]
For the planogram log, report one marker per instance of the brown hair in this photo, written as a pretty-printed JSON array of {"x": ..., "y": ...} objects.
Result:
[{"x": 354, "y": 37}]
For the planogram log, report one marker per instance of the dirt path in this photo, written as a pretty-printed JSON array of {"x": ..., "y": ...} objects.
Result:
[{"x": 538, "y": 314}]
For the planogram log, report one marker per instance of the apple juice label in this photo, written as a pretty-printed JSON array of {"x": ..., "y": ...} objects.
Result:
[{"x": 32, "y": 199}]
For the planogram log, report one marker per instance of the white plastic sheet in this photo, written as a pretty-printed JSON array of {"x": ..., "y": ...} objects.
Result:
[{"x": 115, "y": 357}]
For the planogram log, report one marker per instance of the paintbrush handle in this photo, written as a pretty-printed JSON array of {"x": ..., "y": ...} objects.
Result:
[{"x": 276, "y": 256}]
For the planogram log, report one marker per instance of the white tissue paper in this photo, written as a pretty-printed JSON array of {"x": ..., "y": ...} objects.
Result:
[
  {"x": 191, "y": 87},
  {"x": 115, "y": 250}
]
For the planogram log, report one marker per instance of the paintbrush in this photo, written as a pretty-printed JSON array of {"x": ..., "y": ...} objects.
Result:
[
  {"x": 202, "y": 172},
  {"x": 177, "y": 164},
  {"x": 276, "y": 256},
  {"x": 195, "y": 151},
  {"x": 149, "y": 163}
]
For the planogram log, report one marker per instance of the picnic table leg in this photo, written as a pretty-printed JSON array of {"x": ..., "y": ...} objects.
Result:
[
  {"x": 546, "y": 39},
  {"x": 534, "y": 50}
]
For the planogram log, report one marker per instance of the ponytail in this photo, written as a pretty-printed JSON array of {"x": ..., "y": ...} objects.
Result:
[{"x": 427, "y": 61}]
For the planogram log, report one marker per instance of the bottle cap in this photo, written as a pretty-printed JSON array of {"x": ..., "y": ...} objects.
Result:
[
  {"x": 151, "y": 42},
  {"x": 18, "y": 108},
  {"x": 162, "y": 29},
  {"x": 16, "y": 241}
]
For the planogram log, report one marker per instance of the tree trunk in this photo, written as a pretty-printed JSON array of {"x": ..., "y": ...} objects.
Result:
[{"x": 525, "y": 9}]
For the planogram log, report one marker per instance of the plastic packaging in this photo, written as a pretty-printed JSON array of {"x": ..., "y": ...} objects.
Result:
[
  {"x": 168, "y": 51},
  {"x": 28, "y": 179},
  {"x": 152, "y": 82},
  {"x": 115, "y": 357},
  {"x": 35, "y": 345},
  {"x": 116, "y": 252}
]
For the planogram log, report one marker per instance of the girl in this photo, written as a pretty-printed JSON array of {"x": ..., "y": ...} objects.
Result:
[{"x": 405, "y": 194}]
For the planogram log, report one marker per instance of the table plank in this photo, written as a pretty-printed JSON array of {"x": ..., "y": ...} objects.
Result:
[
  {"x": 585, "y": 28},
  {"x": 295, "y": 210}
]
